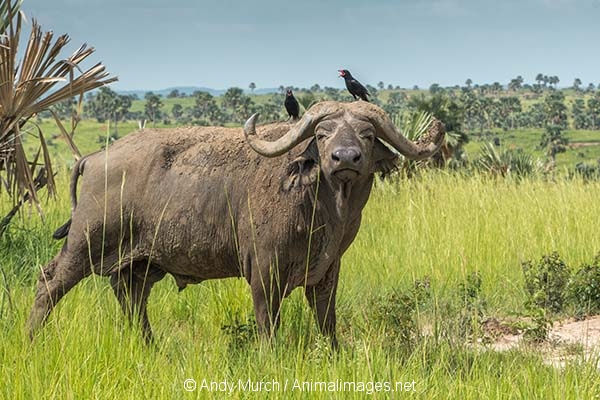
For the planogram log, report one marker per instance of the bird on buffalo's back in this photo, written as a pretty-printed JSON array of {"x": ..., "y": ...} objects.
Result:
[
  {"x": 291, "y": 105},
  {"x": 355, "y": 88}
]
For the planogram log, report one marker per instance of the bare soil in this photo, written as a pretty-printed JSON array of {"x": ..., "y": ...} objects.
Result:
[
  {"x": 568, "y": 341},
  {"x": 575, "y": 145}
]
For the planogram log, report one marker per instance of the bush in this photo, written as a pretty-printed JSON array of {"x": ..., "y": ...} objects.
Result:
[
  {"x": 472, "y": 306},
  {"x": 538, "y": 329},
  {"x": 513, "y": 162},
  {"x": 461, "y": 313},
  {"x": 395, "y": 311},
  {"x": 583, "y": 290},
  {"x": 240, "y": 333},
  {"x": 586, "y": 171},
  {"x": 546, "y": 282}
]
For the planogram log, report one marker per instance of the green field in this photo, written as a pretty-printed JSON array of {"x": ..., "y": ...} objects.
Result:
[
  {"x": 91, "y": 136},
  {"x": 439, "y": 228},
  {"x": 528, "y": 140}
]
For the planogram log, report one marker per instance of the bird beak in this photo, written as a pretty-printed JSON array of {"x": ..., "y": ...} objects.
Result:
[{"x": 341, "y": 72}]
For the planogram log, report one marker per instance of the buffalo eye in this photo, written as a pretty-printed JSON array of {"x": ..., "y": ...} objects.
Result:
[
  {"x": 322, "y": 134},
  {"x": 367, "y": 134},
  {"x": 323, "y": 131}
]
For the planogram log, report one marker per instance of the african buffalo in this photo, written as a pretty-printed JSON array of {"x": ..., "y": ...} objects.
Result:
[{"x": 210, "y": 202}]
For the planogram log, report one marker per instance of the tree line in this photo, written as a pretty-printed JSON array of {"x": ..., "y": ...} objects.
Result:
[{"x": 476, "y": 108}]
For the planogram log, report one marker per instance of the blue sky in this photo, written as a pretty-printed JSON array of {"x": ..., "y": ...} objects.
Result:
[{"x": 155, "y": 44}]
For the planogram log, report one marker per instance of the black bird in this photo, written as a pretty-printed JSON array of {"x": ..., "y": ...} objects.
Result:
[
  {"x": 291, "y": 105},
  {"x": 355, "y": 88}
]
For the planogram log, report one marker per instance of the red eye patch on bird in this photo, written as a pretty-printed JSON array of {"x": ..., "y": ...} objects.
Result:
[{"x": 341, "y": 71}]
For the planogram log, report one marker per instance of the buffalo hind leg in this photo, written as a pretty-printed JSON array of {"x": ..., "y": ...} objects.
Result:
[
  {"x": 321, "y": 298},
  {"x": 56, "y": 279},
  {"x": 132, "y": 285},
  {"x": 267, "y": 294}
]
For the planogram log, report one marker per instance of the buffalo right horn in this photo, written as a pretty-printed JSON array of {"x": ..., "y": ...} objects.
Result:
[{"x": 301, "y": 131}]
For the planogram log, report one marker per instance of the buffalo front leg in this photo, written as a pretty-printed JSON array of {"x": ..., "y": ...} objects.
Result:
[
  {"x": 321, "y": 298},
  {"x": 56, "y": 279},
  {"x": 132, "y": 286},
  {"x": 267, "y": 294}
]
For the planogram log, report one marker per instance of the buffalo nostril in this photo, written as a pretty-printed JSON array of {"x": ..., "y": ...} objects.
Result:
[{"x": 346, "y": 155}]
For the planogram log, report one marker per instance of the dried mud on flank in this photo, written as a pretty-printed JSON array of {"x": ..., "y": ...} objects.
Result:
[{"x": 568, "y": 341}]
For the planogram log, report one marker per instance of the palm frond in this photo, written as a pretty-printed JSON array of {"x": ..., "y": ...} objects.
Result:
[
  {"x": 492, "y": 161},
  {"x": 416, "y": 124},
  {"x": 8, "y": 9},
  {"x": 513, "y": 162},
  {"x": 29, "y": 86}
]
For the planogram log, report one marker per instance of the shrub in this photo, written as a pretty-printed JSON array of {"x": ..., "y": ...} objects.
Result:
[
  {"x": 513, "y": 162},
  {"x": 472, "y": 306},
  {"x": 538, "y": 329},
  {"x": 461, "y": 313},
  {"x": 583, "y": 290},
  {"x": 395, "y": 311},
  {"x": 240, "y": 333},
  {"x": 546, "y": 282}
]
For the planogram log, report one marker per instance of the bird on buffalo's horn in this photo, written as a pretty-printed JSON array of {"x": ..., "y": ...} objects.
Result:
[
  {"x": 291, "y": 105},
  {"x": 355, "y": 88}
]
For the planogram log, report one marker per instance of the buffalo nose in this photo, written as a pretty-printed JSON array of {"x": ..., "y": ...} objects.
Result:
[{"x": 346, "y": 155}]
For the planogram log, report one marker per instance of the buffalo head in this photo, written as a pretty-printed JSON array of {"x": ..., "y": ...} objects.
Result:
[{"x": 346, "y": 141}]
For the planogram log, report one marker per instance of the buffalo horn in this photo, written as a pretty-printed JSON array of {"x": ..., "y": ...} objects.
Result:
[
  {"x": 299, "y": 132},
  {"x": 423, "y": 148}
]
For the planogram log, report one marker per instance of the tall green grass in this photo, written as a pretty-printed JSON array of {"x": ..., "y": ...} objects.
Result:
[{"x": 438, "y": 225}]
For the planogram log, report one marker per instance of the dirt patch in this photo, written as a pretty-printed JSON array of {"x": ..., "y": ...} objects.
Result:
[
  {"x": 575, "y": 145},
  {"x": 568, "y": 340}
]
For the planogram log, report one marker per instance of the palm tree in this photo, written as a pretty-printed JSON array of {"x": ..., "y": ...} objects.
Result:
[
  {"x": 177, "y": 111},
  {"x": 496, "y": 88},
  {"x": 152, "y": 107},
  {"x": 593, "y": 110},
  {"x": 539, "y": 78},
  {"x": 205, "y": 108},
  {"x": 237, "y": 104},
  {"x": 414, "y": 126},
  {"x": 450, "y": 112},
  {"x": 29, "y": 84},
  {"x": 590, "y": 88},
  {"x": 516, "y": 83}
]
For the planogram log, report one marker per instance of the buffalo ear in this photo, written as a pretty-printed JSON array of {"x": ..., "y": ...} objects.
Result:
[
  {"x": 384, "y": 158},
  {"x": 301, "y": 171}
]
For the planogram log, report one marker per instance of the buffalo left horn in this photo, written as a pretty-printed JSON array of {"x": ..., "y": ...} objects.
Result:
[{"x": 425, "y": 147}]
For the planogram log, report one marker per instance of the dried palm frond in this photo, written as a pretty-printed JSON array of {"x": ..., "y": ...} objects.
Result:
[
  {"x": 40, "y": 80},
  {"x": 7, "y": 10}
]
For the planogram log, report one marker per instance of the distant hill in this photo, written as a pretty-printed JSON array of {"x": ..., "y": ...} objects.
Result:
[{"x": 188, "y": 90}]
